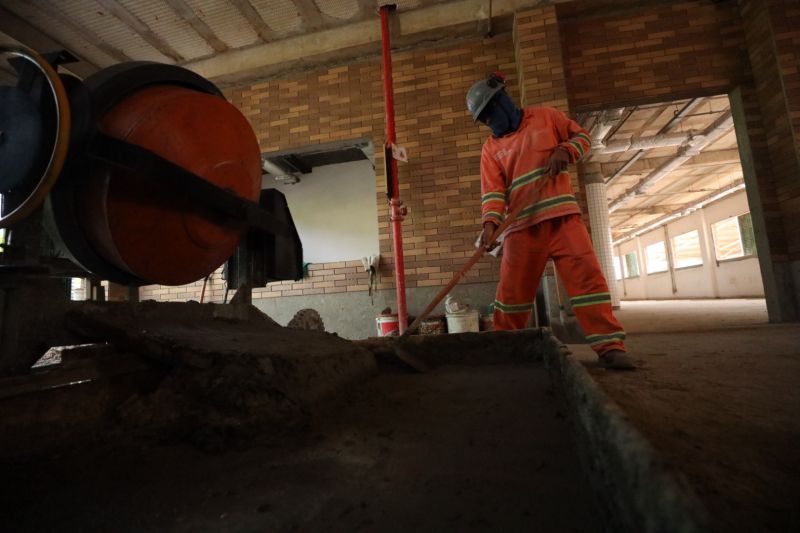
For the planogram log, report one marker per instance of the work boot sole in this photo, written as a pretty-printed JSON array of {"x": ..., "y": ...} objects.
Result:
[{"x": 617, "y": 361}]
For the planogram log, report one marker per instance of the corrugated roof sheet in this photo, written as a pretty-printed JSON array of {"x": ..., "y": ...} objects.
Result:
[
  {"x": 340, "y": 9},
  {"x": 280, "y": 15},
  {"x": 225, "y": 21},
  {"x": 170, "y": 27},
  {"x": 109, "y": 29},
  {"x": 75, "y": 42}
]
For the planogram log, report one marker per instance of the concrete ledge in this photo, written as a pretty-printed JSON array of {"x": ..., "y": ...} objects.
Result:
[{"x": 637, "y": 491}]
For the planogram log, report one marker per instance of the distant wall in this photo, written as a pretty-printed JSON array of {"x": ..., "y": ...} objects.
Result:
[
  {"x": 735, "y": 278},
  {"x": 334, "y": 209}
]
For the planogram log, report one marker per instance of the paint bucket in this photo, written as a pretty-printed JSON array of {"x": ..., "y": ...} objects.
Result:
[
  {"x": 387, "y": 324},
  {"x": 462, "y": 322}
]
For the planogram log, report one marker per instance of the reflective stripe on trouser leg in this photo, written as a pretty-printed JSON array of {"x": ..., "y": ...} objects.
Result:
[
  {"x": 580, "y": 271},
  {"x": 525, "y": 254}
]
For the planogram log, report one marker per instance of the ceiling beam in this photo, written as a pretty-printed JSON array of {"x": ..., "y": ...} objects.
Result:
[
  {"x": 254, "y": 18},
  {"x": 688, "y": 207},
  {"x": 310, "y": 13},
  {"x": 354, "y": 40},
  {"x": 142, "y": 29},
  {"x": 22, "y": 32},
  {"x": 88, "y": 35},
  {"x": 203, "y": 30}
]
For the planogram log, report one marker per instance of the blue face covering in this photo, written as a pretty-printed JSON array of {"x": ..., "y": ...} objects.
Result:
[{"x": 501, "y": 115}]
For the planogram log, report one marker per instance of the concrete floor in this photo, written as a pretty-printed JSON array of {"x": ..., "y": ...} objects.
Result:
[
  {"x": 470, "y": 448},
  {"x": 647, "y": 316},
  {"x": 479, "y": 448},
  {"x": 717, "y": 396}
]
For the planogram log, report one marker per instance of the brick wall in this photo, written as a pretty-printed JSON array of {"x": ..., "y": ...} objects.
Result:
[
  {"x": 785, "y": 17},
  {"x": 540, "y": 65},
  {"x": 656, "y": 53},
  {"x": 594, "y": 55},
  {"x": 540, "y": 68},
  {"x": 441, "y": 183},
  {"x": 773, "y": 38},
  {"x": 772, "y": 131}
]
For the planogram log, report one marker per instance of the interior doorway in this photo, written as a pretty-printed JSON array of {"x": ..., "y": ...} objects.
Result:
[{"x": 678, "y": 215}]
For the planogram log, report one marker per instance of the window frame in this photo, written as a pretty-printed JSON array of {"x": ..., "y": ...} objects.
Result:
[
  {"x": 741, "y": 241},
  {"x": 675, "y": 254}
]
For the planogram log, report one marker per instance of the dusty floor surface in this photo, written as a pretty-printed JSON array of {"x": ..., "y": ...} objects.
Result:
[
  {"x": 722, "y": 406},
  {"x": 651, "y": 316},
  {"x": 459, "y": 449}
]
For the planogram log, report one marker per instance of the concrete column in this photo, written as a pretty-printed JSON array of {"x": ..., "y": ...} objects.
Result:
[
  {"x": 670, "y": 259},
  {"x": 599, "y": 223},
  {"x": 622, "y": 271},
  {"x": 641, "y": 260},
  {"x": 781, "y": 286},
  {"x": 768, "y": 133},
  {"x": 710, "y": 256}
]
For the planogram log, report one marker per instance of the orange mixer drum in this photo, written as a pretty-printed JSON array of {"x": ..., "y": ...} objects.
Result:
[{"x": 150, "y": 229}]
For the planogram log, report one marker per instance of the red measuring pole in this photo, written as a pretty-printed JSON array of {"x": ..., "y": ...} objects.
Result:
[{"x": 396, "y": 205}]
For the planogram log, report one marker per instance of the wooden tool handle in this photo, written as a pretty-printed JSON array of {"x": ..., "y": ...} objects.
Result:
[{"x": 466, "y": 268}]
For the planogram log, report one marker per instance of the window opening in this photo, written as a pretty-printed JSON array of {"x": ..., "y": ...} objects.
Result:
[
  {"x": 617, "y": 269},
  {"x": 656, "y": 258},
  {"x": 631, "y": 265},
  {"x": 734, "y": 237},
  {"x": 686, "y": 249}
]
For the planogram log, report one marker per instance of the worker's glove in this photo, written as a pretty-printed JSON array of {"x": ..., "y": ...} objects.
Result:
[
  {"x": 486, "y": 236},
  {"x": 559, "y": 160}
]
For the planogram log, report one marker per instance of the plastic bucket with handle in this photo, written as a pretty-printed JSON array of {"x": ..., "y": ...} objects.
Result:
[
  {"x": 387, "y": 324},
  {"x": 462, "y": 322}
]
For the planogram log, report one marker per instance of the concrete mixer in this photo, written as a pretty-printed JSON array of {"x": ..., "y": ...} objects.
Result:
[{"x": 142, "y": 173}]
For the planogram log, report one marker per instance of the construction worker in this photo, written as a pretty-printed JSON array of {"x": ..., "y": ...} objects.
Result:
[{"x": 524, "y": 161}]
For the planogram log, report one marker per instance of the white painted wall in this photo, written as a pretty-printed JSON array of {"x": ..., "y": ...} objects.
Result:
[
  {"x": 335, "y": 210},
  {"x": 694, "y": 281},
  {"x": 632, "y": 288},
  {"x": 731, "y": 279}
]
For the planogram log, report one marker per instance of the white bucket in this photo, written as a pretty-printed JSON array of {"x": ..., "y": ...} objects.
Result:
[{"x": 462, "y": 322}]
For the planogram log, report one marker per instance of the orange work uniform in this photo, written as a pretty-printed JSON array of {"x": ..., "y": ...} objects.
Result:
[{"x": 549, "y": 226}]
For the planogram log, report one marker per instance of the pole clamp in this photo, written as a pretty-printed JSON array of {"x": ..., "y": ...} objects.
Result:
[{"x": 398, "y": 210}]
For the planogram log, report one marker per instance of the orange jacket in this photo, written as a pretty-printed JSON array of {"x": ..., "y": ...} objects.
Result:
[{"x": 512, "y": 167}]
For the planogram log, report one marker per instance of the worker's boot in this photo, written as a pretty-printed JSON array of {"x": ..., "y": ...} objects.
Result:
[{"x": 617, "y": 360}]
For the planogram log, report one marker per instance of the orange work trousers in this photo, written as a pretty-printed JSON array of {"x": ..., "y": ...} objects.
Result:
[{"x": 566, "y": 241}]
